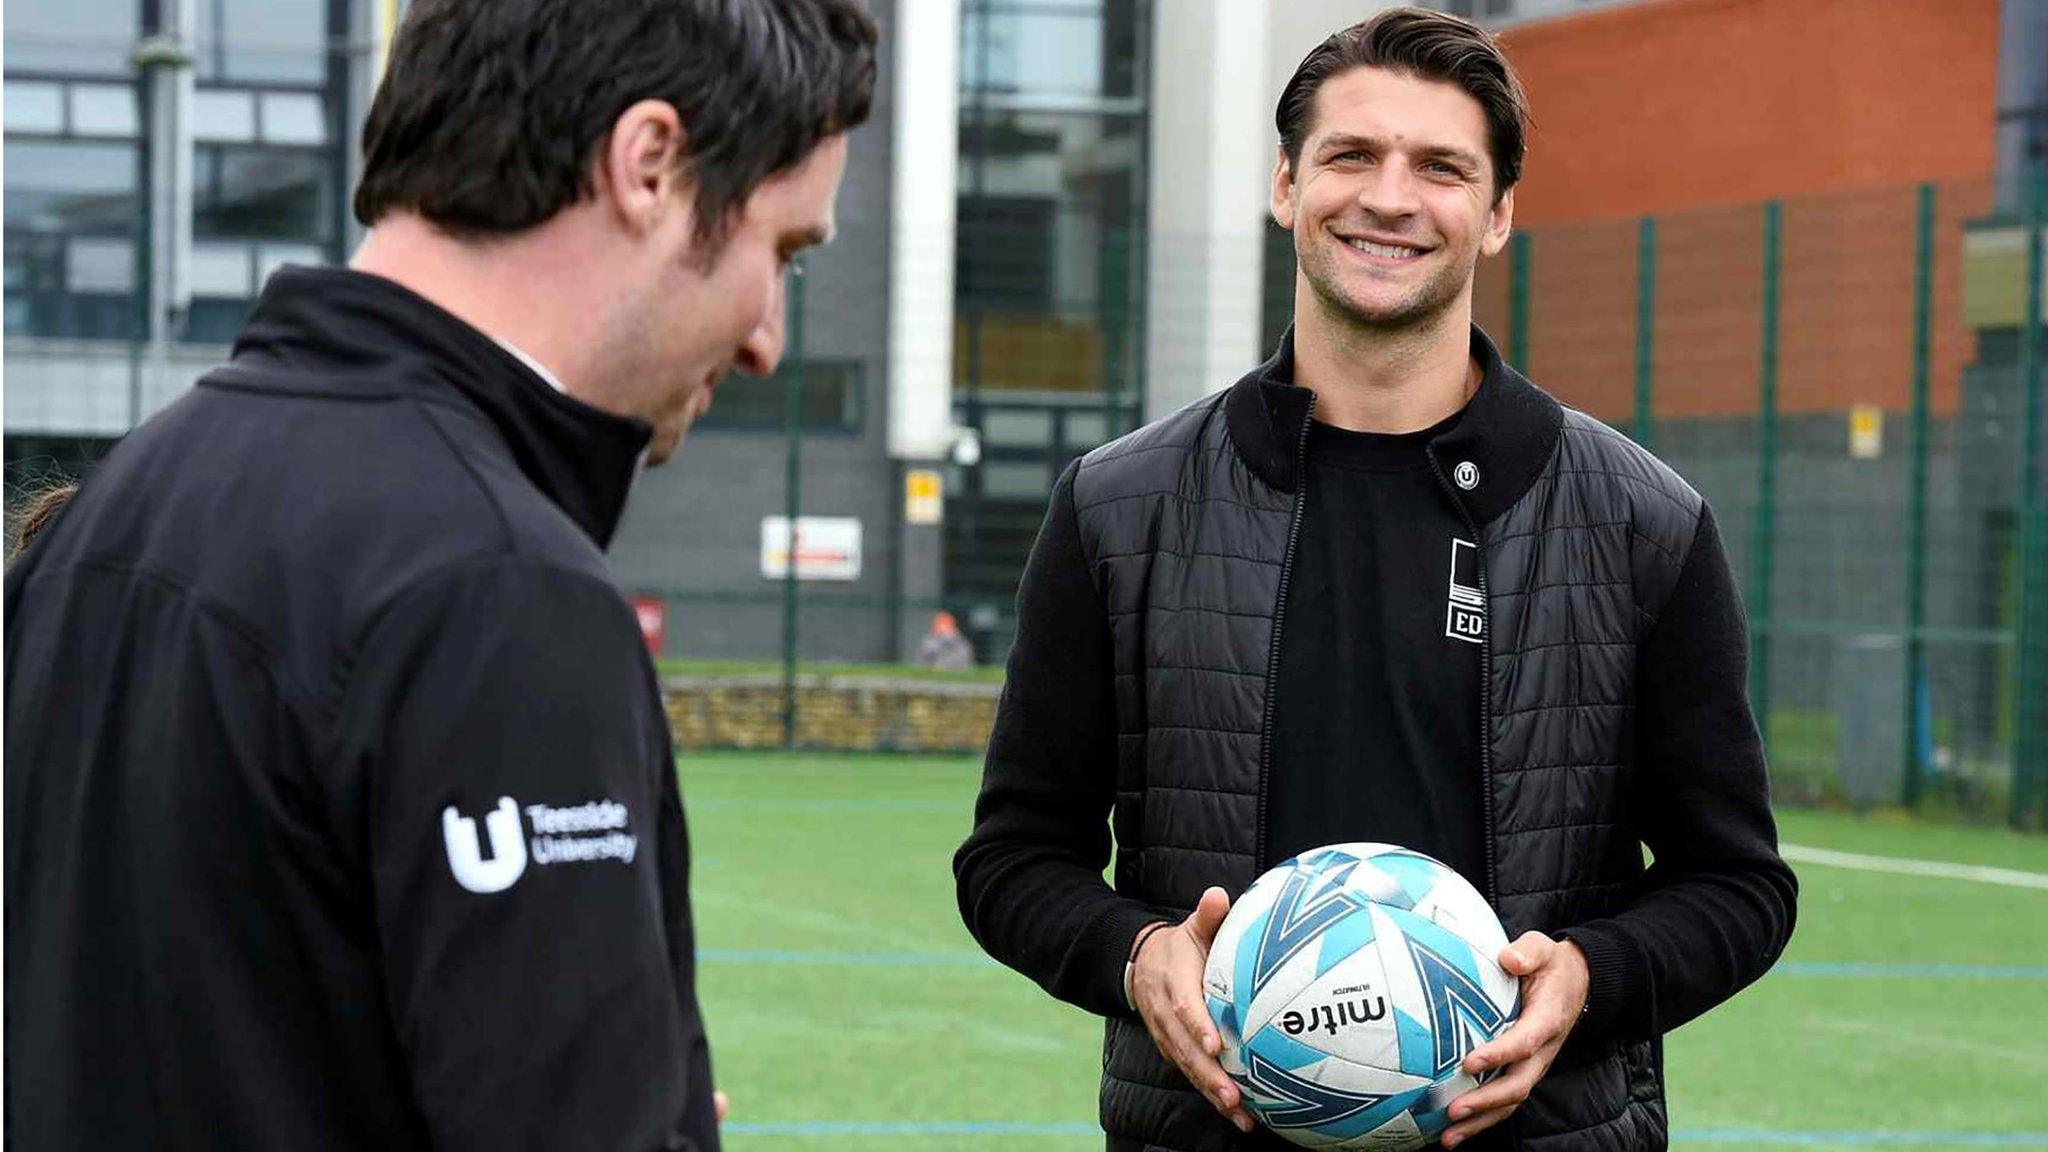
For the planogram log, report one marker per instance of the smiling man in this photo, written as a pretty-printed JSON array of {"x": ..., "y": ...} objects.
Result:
[
  {"x": 1384, "y": 588},
  {"x": 340, "y": 809}
]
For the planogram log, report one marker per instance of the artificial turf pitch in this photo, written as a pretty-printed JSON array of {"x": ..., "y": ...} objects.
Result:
[{"x": 849, "y": 1009}]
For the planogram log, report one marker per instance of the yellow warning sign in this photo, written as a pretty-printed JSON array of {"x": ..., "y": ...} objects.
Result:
[
  {"x": 924, "y": 492},
  {"x": 1866, "y": 432}
]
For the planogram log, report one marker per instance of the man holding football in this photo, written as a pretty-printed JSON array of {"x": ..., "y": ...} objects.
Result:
[{"x": 1384, "y": 588}]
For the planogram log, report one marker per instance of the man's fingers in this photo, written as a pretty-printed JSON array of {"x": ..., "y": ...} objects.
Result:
[
  {"x": 1179, "y": 1044},
  {"x": 1505, "y": 1092},
  {"x": 1208, "y": 916},
  {"x": 1521, "y": 1041},
  {"x": 1485, "y": 1106},
  {"x": 1457, "y": 1134},
  {"x": 1194, "y": 1016},
  {"x": 1530, "y": 951}
]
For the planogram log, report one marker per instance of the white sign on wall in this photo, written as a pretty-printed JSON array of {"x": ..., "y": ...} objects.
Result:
[{"x": 827, "y": 547}]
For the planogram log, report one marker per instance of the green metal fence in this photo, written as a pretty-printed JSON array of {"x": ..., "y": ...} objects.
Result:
[{"x": 1854, "y": 382}]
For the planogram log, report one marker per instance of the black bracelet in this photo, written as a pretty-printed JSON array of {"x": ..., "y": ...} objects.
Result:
[{"x": 1145, "y": 934}]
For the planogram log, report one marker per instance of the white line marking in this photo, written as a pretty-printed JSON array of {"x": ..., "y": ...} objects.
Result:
[{"x": 2007, "y": 877}]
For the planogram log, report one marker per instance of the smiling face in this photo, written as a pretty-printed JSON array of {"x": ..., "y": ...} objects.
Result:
[{"x": 1392, "y": 201}]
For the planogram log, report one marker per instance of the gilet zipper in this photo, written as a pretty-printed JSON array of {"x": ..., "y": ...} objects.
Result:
[
  {"x": 1259, "y": 862},
  {"x": 1492, "y": 886}
]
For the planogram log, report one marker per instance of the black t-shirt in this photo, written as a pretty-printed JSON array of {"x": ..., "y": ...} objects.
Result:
[{"x": 1376, "y": 721}]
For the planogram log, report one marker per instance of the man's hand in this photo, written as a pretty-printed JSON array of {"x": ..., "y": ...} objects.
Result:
[
  {"x": 719, "y": 1104},
  {"x": 1166, "y": 986},
  {"x": 1554, "y": 982}
]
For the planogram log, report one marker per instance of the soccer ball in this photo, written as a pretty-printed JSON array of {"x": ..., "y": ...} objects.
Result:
[{"x": 1348, "y": 984}]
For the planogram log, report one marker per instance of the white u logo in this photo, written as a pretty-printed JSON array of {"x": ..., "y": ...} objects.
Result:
[{"x": 465, "y": 851}]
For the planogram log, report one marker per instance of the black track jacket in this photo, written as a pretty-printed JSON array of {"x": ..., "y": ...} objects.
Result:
[{"x": 340, "y": 810}]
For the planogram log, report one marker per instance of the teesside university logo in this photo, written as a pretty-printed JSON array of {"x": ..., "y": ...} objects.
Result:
[{"x": 573, "y": 835}]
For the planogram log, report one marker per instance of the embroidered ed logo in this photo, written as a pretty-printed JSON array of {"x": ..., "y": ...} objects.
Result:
[{"x": 465, "y": 849}]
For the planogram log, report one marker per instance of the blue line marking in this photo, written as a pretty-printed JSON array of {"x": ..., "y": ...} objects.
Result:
[
  {"x": 794, "y": 804},
  {"x": 1752, "y": 1136},
  {"x": 1870, "y": 971},
  {"x": 1833, "y": 969},
  {"x": 1743, "y": 1136},
  {"x": 859, "y": 959},
  {"x": 909, "y": 1128}
]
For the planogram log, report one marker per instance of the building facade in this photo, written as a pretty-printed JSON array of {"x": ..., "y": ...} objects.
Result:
[{"x": 1053, "y": 228}]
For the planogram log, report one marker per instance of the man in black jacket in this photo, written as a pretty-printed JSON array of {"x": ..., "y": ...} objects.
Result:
[
  {"x": 1384, "y": 589},
  {"x": 340, "y": 808}
]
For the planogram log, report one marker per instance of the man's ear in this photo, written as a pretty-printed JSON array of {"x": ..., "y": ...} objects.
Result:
[
  {"x": 640, "y": 165},
  {"x": 1282, "y": 203},
  {"x": 1499, "y": 224}
]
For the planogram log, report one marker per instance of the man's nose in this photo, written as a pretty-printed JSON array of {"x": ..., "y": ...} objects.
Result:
[
  {"x": 1389, "y": 192},
  {"x": 762, "y": 350}
]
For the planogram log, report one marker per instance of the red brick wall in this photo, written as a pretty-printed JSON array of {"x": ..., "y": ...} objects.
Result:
[
  {"x": 1677, "y": 103},
  {"x": 1694, "y": 111}
]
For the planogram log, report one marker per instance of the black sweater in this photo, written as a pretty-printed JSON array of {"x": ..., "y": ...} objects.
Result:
[
  {"x": 1030, "y": 874},
  {"x": 340, "y": 811}
]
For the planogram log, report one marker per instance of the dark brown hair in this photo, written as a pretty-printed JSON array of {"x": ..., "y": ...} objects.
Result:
[
  {"x": 1430, "y": 45},
  {"x": 37, "y": 513},
  {"x": 491, "y": 110}
]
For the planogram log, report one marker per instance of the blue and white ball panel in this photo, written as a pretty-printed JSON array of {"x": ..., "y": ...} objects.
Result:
[
  {"x": 1450, "y": 998},
  {"x": 1348, "y": 985},
  {"x": 1347, "y": 1011},
  {"x": 1324, "y": 1102},
  {"x": 1229, "y": 977},
  {"x": 1433, "y": 1114}
]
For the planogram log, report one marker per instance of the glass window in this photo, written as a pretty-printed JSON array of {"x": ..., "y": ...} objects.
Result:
[
  {"x": 227, "y": 115},
  {"x": 831, "y": 396},
  {"x": 33, "y": 107},
  {"x": 97, "y": 267},
  {"x": 280, "y": 41},
  {"x": 70, "y": 187},
  {"x": 224, "y": 270},
  {"x": 1048, "y": 268},
  {"x": 1072, "y": 52},
  {"x": 293, "y": 118},
  {"x": 70, "y": 264},
  {"x": 103, "y": 109},
  {"x": 262, "y": 193},
  {"x": 76, "y": 36}
]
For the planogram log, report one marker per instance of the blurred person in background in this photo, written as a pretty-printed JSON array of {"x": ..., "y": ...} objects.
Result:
[
  {"x": 340, "y": 806},
  {"x": 37, "y": 514},
  {"x": 1384, "y": 588},
  {"x": 943, "y": 646}
]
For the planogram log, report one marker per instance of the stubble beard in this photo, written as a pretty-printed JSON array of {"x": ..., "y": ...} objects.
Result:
[{"x": 1424, "y": 308}]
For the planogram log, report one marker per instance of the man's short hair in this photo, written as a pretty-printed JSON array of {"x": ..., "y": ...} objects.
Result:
[
  {"x": 491, "y": 111},
  {"x": 1429, "y": 45}
]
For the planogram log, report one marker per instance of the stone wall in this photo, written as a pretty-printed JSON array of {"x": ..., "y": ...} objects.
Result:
[{"x": 839, "y": 713}]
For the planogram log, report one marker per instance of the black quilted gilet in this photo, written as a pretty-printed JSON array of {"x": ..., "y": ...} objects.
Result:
[{"x": 1188, "y": 527}]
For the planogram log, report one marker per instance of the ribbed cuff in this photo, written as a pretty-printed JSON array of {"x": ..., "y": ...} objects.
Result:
[
  {"x": 1103, "y": 948},
  {"x": 1617, "y": 998}
]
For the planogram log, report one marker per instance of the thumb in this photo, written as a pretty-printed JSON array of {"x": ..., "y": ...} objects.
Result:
[
  {"x": 1526, "y": 954},
  {"x": 1208, "y": 915}
]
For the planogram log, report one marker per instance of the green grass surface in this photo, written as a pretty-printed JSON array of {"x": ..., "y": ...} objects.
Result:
[
  {"x": 843, "y": 994},
  {"x": 978, "y": 675}
]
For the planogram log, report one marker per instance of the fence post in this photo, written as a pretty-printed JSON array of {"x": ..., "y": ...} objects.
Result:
[
  {"x": 793, "y": 440},
  {"x": 2030, "y": 679},
  {"x": 1764, "y": 526},
  {"x": 1646, "y": 324},
  {"x": 1519, "y": 253},
  {"x": 1916, "y": 535}
]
